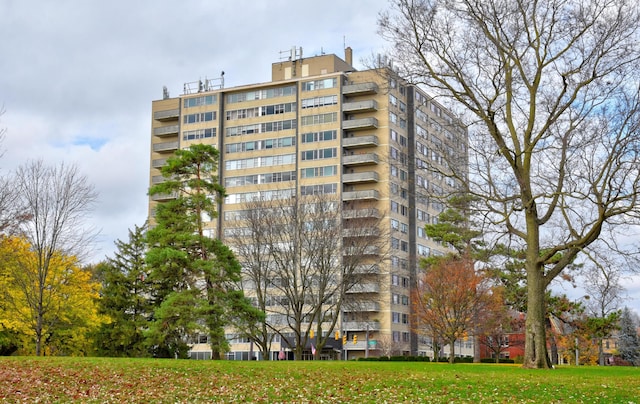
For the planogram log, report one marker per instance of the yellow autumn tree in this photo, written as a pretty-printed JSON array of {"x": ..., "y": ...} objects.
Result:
[{"x": 58, "y": 309}]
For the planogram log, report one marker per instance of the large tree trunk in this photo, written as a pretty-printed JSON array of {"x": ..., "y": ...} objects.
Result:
[
  {"x": 535, "y": 354},
  {"x": 452, "y": 351}
]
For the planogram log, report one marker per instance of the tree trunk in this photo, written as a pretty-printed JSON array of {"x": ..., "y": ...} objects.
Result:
[
  {"x": 452, "y": 351},
  {"x": 38, "y": 330},
  {"x": 535, "y": 354}
]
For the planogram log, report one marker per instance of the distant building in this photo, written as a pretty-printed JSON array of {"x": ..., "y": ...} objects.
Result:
[{"x": 320, "y": 126}]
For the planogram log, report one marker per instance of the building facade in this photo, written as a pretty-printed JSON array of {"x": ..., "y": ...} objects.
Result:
[{"x": 320, "y": 126}]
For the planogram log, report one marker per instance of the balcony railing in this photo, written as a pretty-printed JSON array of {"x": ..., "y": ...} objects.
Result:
[
  {"x": 360, "y": 159},
  {"x": 360, "y": 124},
  {"x": 361, "y": 325},
  {"x": 364, "y": 288},
  {"x": 157, "y": 179},
  {"x": 362, "y": 307},
  {"x": 359, "y": 141},
  {"x": 166, "y": 130},
  {"x": 360, "y": 195},
  {"x": 361, "y": 232},
  {"x": 354, "y": 178},
  {"x": 158, "y": 163},
  {"x": 360, "y": 89},
  {"x": 166, "y": 115},
  {"x": 365, "y": 269},
  {"x": 164, "y": 197},
  {"x": 165, "y": 146},
  {"x": 360, "y": 106},
  {"x": 361, "y": 213}
]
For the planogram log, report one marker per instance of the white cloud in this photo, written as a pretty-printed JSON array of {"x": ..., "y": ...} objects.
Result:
[{"x": 78, "y": 77}]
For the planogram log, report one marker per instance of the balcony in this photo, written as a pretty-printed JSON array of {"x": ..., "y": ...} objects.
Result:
[
  {"x": 364, "y": 288},
  {"x": 364, "y": 269},
  {"x": 361, "y": 213},
  {"x": 360, "y": 124},
  {"x": 167, "y": 115},
  {"x": 360, "y": 89},
  {"x": 362, "y": 252},
  {"x": 158, "y": 163},
  {"x": 358, "y": 178},
  {"x": 361, "y": 195},
  {"x": 362, "y": 307},
  {"x": 166, "y": 130},
  {"x": 157, "y": 179},
  {"x": 361, "y": 325},
  {"x": 360, "y": 159},
  {"x": 360, "y": 106},
  {"x": 359, "y": 141},
  {"x": 361, "y": 232},
  {"x": 165, "y": 146},
  {"x": 164, "y": 197}
]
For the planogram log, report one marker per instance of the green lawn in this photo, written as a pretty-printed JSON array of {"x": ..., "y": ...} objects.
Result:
[{"x": 102, "y": 380}]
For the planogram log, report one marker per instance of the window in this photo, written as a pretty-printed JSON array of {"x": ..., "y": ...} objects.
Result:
[
  {"x": 260, "y": 179},
  {"x": 261, "y": 94},
  {"x": 198, "y": 134},
  {"x": 396, "y": 317},
  {"x": 318, "y": 189},
  {"x": 395, "y": 207},
  {"x": 266, "y": 161},
  {"x": 319, "y": 119},
  {"x": 312, "y": 172},
  {"x": 260, "y": 144},
  {"x": 319, "y": 84},
  {"x": 319, "y": 101},
  {"x": 395, "y": 225},
  {"x": 198, "y": 101},
  {"x": 423, "y": 250},
  {"x": 313, "y": 137},
  {"x": 201, "y": 117},
  {"x": 261, "y": 128},
  {"x": 318, "y": 154}
]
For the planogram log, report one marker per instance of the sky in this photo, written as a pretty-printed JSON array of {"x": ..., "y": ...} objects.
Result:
[{"x": 77, "y": 79}]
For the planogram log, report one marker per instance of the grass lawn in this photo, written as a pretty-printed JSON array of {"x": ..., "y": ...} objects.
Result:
[{"x": 102, "y": 380}]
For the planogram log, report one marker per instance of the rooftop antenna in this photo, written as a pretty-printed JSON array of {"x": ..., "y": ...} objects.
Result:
[{"x": 165, "y": 93}]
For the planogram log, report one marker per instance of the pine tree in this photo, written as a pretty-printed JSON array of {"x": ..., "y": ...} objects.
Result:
[
  {"x": 125, "y": 298},
  {"x": 628, "y": 340},
  {"x": 196, "y": 277}
]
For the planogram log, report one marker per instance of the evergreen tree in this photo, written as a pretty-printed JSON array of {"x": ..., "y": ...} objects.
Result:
[
  {"x": 195, "y": 276},
  {"x": 125, "y": 298},
  {"x": 628, "y": 340}
]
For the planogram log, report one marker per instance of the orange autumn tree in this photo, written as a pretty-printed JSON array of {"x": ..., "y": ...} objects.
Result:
[{"x": 449, "y": 299}]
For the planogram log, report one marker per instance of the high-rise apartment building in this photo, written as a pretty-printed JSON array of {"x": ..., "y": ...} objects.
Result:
[{"x": 320, "y": 126}]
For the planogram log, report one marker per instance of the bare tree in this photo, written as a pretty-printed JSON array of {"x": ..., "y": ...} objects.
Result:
[
  {"x": 57, "y": 201},
  {"x": 11, "y": 212},
  {"x": 301, "y": 256},
  {"x": 550, "y": 91},
  {"x": 602, "y": 280}
]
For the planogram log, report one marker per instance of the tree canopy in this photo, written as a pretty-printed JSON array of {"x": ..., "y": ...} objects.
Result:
[{"x": 549, "y": 91}]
